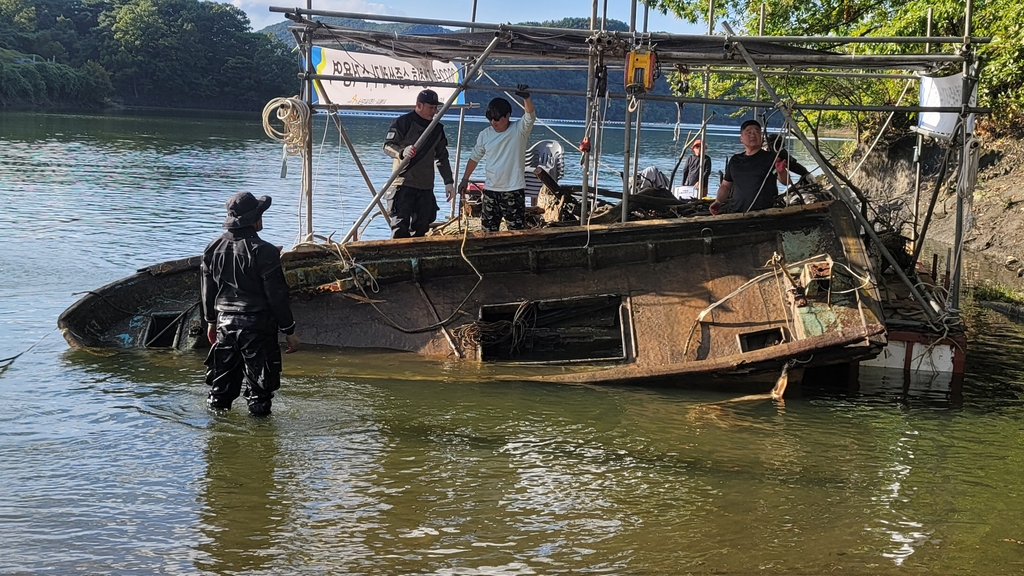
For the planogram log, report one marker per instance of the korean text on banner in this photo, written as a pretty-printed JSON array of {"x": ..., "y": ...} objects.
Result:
[{"x": 380, "y": 94}]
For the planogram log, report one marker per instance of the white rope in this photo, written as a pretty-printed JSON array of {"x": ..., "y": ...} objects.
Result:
[
  {"x": 293, "y": 114},
  {"x": 775, "y": 260}
]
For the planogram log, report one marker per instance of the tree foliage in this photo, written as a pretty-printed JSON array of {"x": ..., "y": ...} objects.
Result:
[
  {"x": 185, "y": 53},
  {"x": 1001, "y": 84}
]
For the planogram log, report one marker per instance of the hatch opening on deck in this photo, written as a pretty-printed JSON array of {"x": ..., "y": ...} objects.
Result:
[
  {"x": 163, "y": 328},
  {"x": 761, "y": 339},
  {"x": 564, "y": 330}
]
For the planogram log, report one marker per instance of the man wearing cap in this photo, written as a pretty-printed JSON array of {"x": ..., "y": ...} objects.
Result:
[
  {"x": 698, "y": 168},
  {"x": 504, "y": 145},
  {"x": 411, "y": 202},
  {"x": 245, "y": 304},
  {"x": 750, "y": 176}
]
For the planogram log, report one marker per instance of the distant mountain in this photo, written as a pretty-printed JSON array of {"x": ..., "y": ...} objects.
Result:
[
  {"x": 579, "y": 24},
  {"x": 280, "y": 29}
]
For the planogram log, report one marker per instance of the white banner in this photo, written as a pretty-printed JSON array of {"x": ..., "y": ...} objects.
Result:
[
  {"x": 946, "y": 91},
  {"x": 380, "y": 94}
]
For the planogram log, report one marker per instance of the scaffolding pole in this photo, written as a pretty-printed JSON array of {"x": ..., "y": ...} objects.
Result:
[
  {"x": 963, "y": 187},
  {"x": 627, "y": 144},
  {"x": 587, "y": 117},
  {"x": 655, "y": 97},
  {"x": 307, "y": 146},
  {"x": 423, "y": 138},
  {"x": 654, "y": 36},
  {"x": 843, "y": 194}
]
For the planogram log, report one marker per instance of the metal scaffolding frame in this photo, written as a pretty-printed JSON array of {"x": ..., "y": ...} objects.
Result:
[{"x": 714, "y": 54}]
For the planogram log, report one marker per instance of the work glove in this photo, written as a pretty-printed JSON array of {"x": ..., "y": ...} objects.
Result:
[
  {"x": 449, "y": 191},
  {"x": 522, "y": 90},
  {"x": 409, "y": 152}
]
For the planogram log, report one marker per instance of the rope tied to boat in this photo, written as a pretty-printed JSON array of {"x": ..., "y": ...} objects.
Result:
[
  {"x": 776, "y": 258},
  {"x": 353, "y": 268},
  {"x": 5, "y": 363}
]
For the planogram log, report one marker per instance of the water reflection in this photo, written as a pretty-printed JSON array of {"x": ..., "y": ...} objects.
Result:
[
  {"x": 112, "y": 465},
  {"x": 244, "y": 505}
]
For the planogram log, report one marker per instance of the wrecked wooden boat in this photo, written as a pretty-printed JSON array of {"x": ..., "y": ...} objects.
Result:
[
  {"x": 740, "y": 297},
  {"x": 650, "y": 301}
]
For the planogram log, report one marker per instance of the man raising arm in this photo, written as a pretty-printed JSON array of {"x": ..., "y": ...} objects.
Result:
[{"x": 504, "y": 144}]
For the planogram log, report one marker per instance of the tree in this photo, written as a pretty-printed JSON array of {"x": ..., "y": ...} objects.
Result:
[{"x": 1001, "y": 83}]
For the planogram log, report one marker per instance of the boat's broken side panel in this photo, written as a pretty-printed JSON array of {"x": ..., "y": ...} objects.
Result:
[
  {"x": 145, "y": 310},
  {"x": 628, "y": 301}
]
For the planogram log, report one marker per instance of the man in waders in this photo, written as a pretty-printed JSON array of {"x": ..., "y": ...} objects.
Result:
[
  {"x": 504, "y": 145},
  {"x": 411, "y": 203},
  {"x": 245, "y": 304}
]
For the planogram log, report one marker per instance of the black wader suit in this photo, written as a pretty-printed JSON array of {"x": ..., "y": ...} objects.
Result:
[
  {"x": 245, "y": 295},
  {"x": 411, "y": 203}
]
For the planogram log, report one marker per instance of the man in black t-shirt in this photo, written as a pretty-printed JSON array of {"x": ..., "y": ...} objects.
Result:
[{"x": 750, "y": 176}]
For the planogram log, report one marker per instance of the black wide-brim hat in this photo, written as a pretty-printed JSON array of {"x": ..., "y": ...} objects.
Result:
[{"x": 245, "y": 210}]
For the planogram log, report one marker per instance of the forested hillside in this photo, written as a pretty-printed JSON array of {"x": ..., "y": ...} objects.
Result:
[
  {"x": 1001, "y": 80},
  {"x": 192, "y": 53},
  {"x": 178, "y": 53}
]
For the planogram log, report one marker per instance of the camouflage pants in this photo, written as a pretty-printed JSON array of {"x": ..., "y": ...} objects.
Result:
[{"x": 510, "y": 205}]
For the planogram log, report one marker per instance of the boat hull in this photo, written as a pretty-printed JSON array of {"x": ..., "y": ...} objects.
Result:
[{"x": 651, "y": 301}]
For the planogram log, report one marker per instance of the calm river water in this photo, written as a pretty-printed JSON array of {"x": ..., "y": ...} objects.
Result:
[{"x": 110, "y": 463}]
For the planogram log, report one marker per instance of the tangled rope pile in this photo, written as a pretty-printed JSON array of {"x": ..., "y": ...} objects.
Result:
[{"x": 481, "y": 333}]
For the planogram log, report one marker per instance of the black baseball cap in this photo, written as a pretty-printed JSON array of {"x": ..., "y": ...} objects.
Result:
[
  {"x": 750, "y": 123},
  {"x": 428, "y": 97}
]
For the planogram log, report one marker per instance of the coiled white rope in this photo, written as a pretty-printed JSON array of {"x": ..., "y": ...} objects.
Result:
[{"x": 293, "y": 114}]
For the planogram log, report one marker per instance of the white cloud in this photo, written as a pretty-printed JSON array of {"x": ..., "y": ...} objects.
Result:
[{"x": 260, "y": 15}]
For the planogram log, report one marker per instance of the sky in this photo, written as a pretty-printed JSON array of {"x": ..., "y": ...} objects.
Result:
[{"x": 492, "y": 11}]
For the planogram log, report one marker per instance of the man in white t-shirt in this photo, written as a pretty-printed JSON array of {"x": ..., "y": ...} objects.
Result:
[{"x": 503, "y": 143}]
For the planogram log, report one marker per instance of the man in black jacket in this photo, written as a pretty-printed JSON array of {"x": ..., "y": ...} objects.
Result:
[
  {"x": 245, "y": 304},
  {"x": 411, "y": 202}
]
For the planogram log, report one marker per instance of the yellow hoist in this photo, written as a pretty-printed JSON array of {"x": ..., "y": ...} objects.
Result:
[{"x": 641, "y": 70}]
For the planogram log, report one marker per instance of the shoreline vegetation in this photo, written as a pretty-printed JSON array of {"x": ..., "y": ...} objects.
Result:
[
  {"x": 198, "y": 55},
  {"x": 204, "y": 55}
]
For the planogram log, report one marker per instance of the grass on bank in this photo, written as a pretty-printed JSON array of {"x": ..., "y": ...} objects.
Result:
[{"x": 991, "y": 292}]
